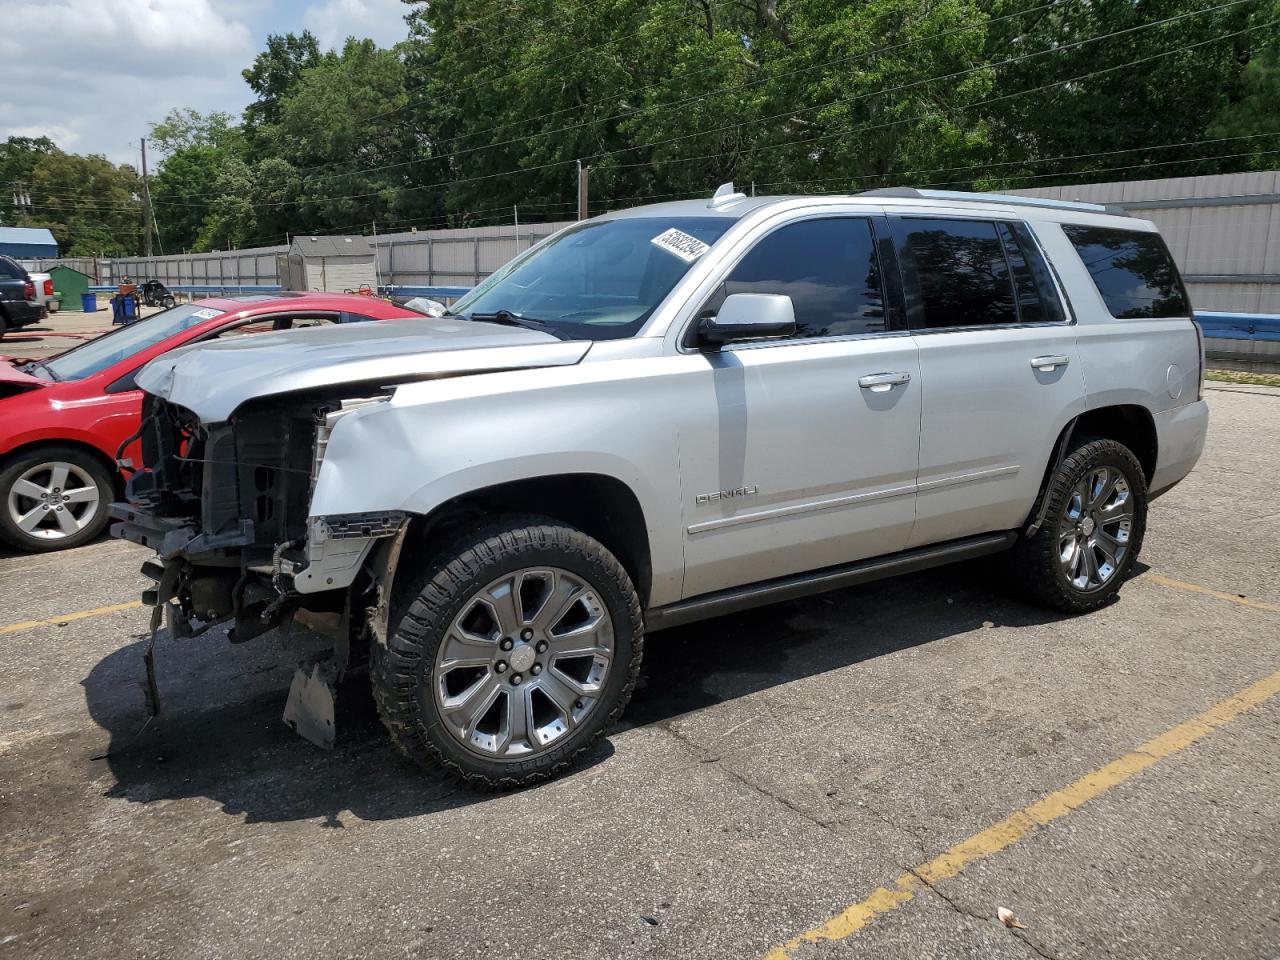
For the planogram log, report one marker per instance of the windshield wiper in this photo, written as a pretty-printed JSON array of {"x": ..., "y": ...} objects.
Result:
[
  {"x": 34, "y": 365},
  {"x": 510, "y": 319}
]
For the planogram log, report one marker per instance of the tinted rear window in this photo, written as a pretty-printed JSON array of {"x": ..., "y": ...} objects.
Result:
[{"x": 1133, "y": 271}]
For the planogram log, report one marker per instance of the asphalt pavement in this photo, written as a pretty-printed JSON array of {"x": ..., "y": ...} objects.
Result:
[{"x": 872, "y": 773}]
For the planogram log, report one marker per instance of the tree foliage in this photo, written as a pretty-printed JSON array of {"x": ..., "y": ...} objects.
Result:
[{"x": 489, "y": 104}]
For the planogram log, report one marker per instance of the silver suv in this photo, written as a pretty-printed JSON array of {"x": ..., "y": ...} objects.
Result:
[{"x": 661, "y": 415}]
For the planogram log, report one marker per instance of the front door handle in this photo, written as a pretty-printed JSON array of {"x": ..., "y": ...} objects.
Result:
[
  {"x": 1050, "y": 363},
  {"x": 880, "y": 382}
]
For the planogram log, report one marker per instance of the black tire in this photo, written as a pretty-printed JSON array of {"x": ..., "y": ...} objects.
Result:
[
  {"x": 14, "y": 468},
  {"x": 1037, "y": 563},
  {"x": 403, "y": 671}
]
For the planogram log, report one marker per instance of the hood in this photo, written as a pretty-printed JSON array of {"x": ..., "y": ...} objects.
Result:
[
  {"x": 213, "y": 379},
  {"x": 13, "y": 381}
]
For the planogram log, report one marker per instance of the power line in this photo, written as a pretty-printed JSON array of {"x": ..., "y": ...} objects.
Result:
[
  {"x": 671, "y": 105},
  {"x": 1024, "y": 162},
  {"x": 952, "y": 76},
  {"x": 866, "y": 128}
]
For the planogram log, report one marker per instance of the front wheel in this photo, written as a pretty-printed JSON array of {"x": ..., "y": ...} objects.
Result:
[
  {"x": 520, "y": 645},
  {"x": 53, "y": 498},
  {"x": 1092, "y": 531}
]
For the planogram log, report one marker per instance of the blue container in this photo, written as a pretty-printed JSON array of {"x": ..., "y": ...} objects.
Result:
[
  {"x": 89, "y": 302},
  {"x": 124, "y": 308}
]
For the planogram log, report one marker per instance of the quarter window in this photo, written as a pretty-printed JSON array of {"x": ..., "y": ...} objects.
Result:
[
  {"x": 1133, "y": 271},
  {"x": 1037, "y": 298},
  {"x": 961, "y": 272},
  {"x": 829, "y": 270}
]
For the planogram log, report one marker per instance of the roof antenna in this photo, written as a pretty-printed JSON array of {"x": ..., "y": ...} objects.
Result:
[{"x": 725, "y": 193}]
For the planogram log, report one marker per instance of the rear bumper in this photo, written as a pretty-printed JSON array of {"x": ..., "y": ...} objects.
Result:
[
  {"x": 22, "y": 313},
  {"x": 1180, "y": 434}
]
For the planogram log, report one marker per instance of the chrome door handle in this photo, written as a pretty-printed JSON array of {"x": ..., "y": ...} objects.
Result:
[
  {"x": 1050, "y": 363},
  {"x": 880, "y": 382}
]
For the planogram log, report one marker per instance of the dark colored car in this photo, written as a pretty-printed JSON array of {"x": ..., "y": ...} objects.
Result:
[
  {"x": 18, "y": 305},
  {"x": 63, "y": 419}
]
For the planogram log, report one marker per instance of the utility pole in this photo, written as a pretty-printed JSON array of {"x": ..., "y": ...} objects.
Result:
[
  {"x": 583, "y": 174},
  {"x": 146, "y": 200},
  {"x": 515, "y": 210}
]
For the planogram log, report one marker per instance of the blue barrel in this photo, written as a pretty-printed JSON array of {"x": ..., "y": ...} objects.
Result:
[{"x": 88, "y": 302}]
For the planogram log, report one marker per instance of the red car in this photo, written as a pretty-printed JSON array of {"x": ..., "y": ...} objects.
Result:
[{"x": 63, "y": 419}]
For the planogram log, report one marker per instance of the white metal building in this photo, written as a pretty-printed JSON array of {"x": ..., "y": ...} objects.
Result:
[{"x": 331, "y": 264}]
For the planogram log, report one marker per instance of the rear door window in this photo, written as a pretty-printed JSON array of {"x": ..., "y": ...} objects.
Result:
[
  {"x": 1132, "y": 270},
  {"x": 962, "y": 278},
  {"x": 829, "y": 270}
]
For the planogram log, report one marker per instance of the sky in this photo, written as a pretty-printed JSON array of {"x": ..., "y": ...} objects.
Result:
[{"x": 94, "y": 74}]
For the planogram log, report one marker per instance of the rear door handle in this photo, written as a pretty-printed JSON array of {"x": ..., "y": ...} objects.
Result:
[
  {"x": 880, "y": 382},
  {"x": 1050, "y": 363}
]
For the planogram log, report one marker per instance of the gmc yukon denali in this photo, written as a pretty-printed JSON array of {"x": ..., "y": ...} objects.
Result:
[{"x": 657, "y": 416}]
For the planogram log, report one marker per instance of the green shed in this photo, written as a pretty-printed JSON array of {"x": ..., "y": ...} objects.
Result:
[{"x": 70, "y": 284}]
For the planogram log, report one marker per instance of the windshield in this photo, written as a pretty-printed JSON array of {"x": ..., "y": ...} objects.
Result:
[
  {"x": 597, "y": 281},
  {"x": 123, "y": 342}
]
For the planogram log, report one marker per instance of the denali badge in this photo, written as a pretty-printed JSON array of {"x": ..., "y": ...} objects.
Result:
[{"x": 702, "y": 498}]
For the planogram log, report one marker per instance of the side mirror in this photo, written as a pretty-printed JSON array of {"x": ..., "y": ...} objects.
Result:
[{"x": 748, "y": 316}]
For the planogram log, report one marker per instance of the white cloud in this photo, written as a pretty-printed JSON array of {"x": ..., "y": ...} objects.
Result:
[
  {"x": 93, "y": 74},
  {"x": 334, "y": 20}
]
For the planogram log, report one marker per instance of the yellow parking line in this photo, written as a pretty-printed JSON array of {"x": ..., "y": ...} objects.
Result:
[
  {"x": 68, "y": 617},
  {"x": 1027, "y": 820},
  {"x": 1196, "y": 588}
]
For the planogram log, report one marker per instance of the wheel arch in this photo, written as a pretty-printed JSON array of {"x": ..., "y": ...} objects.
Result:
[
  {"x": 1129, "y": 424},
  {"x": 88, "y": 448},
  {"x": 601, "y": 506}
]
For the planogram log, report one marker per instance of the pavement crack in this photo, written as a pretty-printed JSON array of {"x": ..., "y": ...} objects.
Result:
[
  {"x": 958, "y": 908},
  {"x": 888, "y": 821},
  {"x": 1020, "y": 935},
  {"x": 702, "y": 756},
  {"x": 1035, "y": 948}
]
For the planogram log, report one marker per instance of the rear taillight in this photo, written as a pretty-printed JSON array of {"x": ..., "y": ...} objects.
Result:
[
  {"x": 48, "y": 288},
  {"x": 1200, "y": 355},
  {"x": 29, "y": 290}
]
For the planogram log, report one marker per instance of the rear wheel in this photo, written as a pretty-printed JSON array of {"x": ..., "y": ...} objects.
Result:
[
  {"x": 53, "y": 499},
  {"x": 1093, "y": 527},
  {"x": 520, "y": 646}
]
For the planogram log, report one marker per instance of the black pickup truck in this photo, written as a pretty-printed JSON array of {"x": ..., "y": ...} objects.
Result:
[{"x": 18, "y": 306}]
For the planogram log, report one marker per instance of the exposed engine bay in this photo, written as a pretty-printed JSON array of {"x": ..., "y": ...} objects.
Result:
[{"x": 225, "y": 507}]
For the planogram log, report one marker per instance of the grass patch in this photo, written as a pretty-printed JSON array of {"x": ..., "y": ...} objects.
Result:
[{"x": 1242, "y": 376}]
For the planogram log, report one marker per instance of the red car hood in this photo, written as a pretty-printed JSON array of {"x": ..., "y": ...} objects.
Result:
[{"x": 11, "y": 375}]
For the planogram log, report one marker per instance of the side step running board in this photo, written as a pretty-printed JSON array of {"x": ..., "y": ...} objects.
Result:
[{"x": 830, "y": 578}]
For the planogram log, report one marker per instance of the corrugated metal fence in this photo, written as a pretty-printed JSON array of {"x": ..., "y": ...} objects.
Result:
[
  {"x": 1224, "y": 232},
  {"x": 461, "y": 257}
]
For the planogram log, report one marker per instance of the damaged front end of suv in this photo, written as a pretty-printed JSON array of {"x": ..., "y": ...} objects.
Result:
[
  {"x": 236, "y": 443},
  {"x": 226, "y": 508}
]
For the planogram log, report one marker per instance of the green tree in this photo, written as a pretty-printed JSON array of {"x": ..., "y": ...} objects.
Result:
[
  {"x": 183, "y": 128},
  {"x": 90, "y": 204},
  {"x": 1252, "y": 119},
  {"x": 18, "y": 158},
  {"x": 275, "y": 71}
]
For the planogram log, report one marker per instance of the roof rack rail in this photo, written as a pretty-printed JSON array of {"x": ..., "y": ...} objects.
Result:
[{"x": 916, "y": 194}]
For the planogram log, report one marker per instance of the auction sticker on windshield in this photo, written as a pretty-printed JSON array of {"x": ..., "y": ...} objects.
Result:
[
  {"x": 685, "y": 247},
  {"x": 206, "y": 313}
]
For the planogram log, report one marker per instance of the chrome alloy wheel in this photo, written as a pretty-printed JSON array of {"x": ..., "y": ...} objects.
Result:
[
  {"x": 53, "y": 500},
  {"x": 1093, "y": 536},
  {"x": 523, "y": 663}
]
